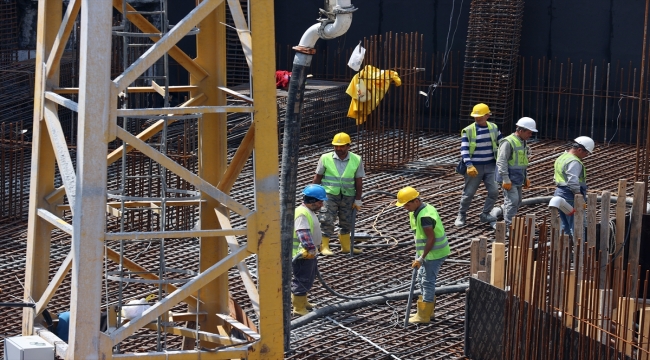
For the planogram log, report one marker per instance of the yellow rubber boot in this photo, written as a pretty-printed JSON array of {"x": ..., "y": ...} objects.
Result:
[
  {"x": 299, "y": 304},
  {"x": 418, "y": 303},
  {"x": 345, "y": 244},
  {"x": 325, "y": 246},
  {"x": 425, "y": 309},
  {"x": 433, "y": 311},
  {"x": 308, "y": 305}
]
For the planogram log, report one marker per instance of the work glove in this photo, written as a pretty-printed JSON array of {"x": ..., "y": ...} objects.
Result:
[
  {"x": 507, "y": 185},
  {"x": 417, "y": 263},
  {"x": 307, "y": 254},
  {"x": 471, "y": 171},
  {"x": 357, "y": 205},
  {"x": 526, "y": 183}
]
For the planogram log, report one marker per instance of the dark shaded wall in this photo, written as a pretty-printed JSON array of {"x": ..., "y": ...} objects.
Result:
[{"x": 576, "y": 29}]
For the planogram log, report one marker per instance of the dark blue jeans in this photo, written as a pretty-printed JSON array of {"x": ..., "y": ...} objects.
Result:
[{"x": 304, "y": 272}]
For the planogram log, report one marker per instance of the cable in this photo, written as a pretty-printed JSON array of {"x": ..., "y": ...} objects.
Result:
[
  {"x": 432, "y": 88},
  {"x": 617, "y": 119}
]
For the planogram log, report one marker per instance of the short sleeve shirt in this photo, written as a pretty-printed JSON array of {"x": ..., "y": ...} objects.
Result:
[{"x": 301, "y": 223}]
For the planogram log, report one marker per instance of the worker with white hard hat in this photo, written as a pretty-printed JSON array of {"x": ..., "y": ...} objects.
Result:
[
  {"x": 341, "y": 174},
  {"x": 571, "y": 176},
  {"x": 431, "y": 249},
  {"x": 512, "y": 164},
  {"x": 478, "y": 150}
]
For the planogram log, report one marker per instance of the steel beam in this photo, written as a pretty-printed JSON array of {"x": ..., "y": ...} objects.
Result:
[
  {"x": 166, "y": 43},
  {"x": 69, "y": 18},
  {"x": 88, "y": 229},
  {"x": 200, "y": 182},
  {"x": 267, "y": 217},
  {"x": 175, "y": 52},
  {"x": 42, "y": 175},
  {"x": 199, "y": 282},
  {"x": 212, "y": 156}
]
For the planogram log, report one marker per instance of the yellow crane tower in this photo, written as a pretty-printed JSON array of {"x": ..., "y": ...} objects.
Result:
[{"x": 85, "y": 185}]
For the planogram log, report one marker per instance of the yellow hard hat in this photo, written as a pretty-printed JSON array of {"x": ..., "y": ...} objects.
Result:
[
  {"x": 405, "y": 195},
  {"x": 341, "y": 139},
  {"x": 480, "y": 110}
]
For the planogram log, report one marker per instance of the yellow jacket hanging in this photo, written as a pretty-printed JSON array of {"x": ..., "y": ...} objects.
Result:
[{"x": 367, "y": 88}]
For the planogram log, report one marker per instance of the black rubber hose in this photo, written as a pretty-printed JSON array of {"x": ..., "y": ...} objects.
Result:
[
  {"x": 355, "y": 304},
  {"x": 335, "y": 293},
  {"x": 288, "y": 180}
]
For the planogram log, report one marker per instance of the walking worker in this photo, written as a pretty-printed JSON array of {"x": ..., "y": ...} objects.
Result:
[
  {"x": 571, "y": 176},
  {"x": 341, "y": 174},
  {"x": 478, "y": 149},
  {"x": 431, "y": 249},
  {"x": 512, "y": 161},
  {"x": 306, "y": 238}
]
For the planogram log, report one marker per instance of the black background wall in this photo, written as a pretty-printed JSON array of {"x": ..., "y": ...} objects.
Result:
[{"x": 576, "y": 29}]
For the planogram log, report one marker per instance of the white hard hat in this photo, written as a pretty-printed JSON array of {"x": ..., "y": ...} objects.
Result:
[
  {"x": 559, "y": 203},
  {"x": 528, "y": 123},
  {"x": 587, "y": 142}
]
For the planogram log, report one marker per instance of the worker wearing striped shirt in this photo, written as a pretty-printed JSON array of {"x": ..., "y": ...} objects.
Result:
[{"x": 478, "y": 150}]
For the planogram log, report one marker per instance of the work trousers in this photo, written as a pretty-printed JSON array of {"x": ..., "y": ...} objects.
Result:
[
  {"x": 304, "y": 272},
  {"x": 427, "y": 278},
  {"x": 336, "y": 206},
  {"x": 485, "y": 175},
  {"x": 511, "y": 202}
]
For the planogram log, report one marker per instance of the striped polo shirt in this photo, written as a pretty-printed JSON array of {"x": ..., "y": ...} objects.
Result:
[{"x": 483, "y": 154}]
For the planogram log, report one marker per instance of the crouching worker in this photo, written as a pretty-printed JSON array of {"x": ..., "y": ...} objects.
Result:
[
  {"x": 431, "y": 249},
  {"x": 306, "y": 239}
]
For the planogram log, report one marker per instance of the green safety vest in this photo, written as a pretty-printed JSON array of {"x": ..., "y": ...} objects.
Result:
[
  {"x": 560, "y": 166},
  {"x": 519, "y": 158},
  {"x": 335, "y": 183},
  {"x": 470, "y": 132},
  {"x": 441, "y": 246},
  {"x": 301, "y": 210}
]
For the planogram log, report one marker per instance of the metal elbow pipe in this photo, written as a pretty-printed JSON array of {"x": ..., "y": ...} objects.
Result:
[{"x": 340, "y": 26}]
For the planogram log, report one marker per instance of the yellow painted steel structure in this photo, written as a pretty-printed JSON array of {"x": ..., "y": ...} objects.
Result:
[{"x": 86, "y": 187}]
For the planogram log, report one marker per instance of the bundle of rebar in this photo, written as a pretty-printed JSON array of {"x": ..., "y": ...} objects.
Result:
[
  {"x": 384, "y": 95},
  {"x": 493, "y": 38},
  {"x": 575, "y": 297}
]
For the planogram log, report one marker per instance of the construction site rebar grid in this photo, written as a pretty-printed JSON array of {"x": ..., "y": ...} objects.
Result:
[
  {"x": 491, "y": 58},
  {"x": 383, "y": 100}
]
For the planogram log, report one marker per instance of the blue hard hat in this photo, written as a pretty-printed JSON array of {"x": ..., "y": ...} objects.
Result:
[{"x": 315, "y": 191}]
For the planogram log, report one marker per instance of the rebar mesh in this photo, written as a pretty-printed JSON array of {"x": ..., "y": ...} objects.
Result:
[
  {"x": 8, "y": 32},
  {"x": 387, "y": 136},
  {"x": 237, "y": 67},
  {"x": 491, "y": 58}
]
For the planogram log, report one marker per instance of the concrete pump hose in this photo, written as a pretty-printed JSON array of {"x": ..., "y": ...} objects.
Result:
[{"x": 355, "y": 304}]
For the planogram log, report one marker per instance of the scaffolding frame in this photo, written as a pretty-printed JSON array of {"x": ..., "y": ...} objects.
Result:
[{"x": 86, "y": 186}]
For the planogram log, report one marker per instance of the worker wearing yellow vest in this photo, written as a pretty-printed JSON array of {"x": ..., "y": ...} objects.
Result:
[
  {"x": 571, "y": 176},
  {"x": 431, "y": 249},
  {"x": 478, "y": 149},
  {"x": 512, "y": 164},
  {"x": 341, "y": 174},
  {"x": 306, "y": 238}
]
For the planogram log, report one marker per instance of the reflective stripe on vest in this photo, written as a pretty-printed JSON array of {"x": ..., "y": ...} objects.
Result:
[
  {"x": 333, "y": 182},
  {"x": 560, "y": 169},
  {"x": 441, "y": 245},
  {"x": 470, "y": 132},
  {"x": 301, "y": 210},
  {"x": 519, "y": 158}
]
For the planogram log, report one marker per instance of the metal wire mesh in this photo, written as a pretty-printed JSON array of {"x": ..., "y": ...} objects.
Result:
[
  {"x": 491, "y": 58},
  {"x": 387, "y": 136},
  {"x": 8, "y": 32}
]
